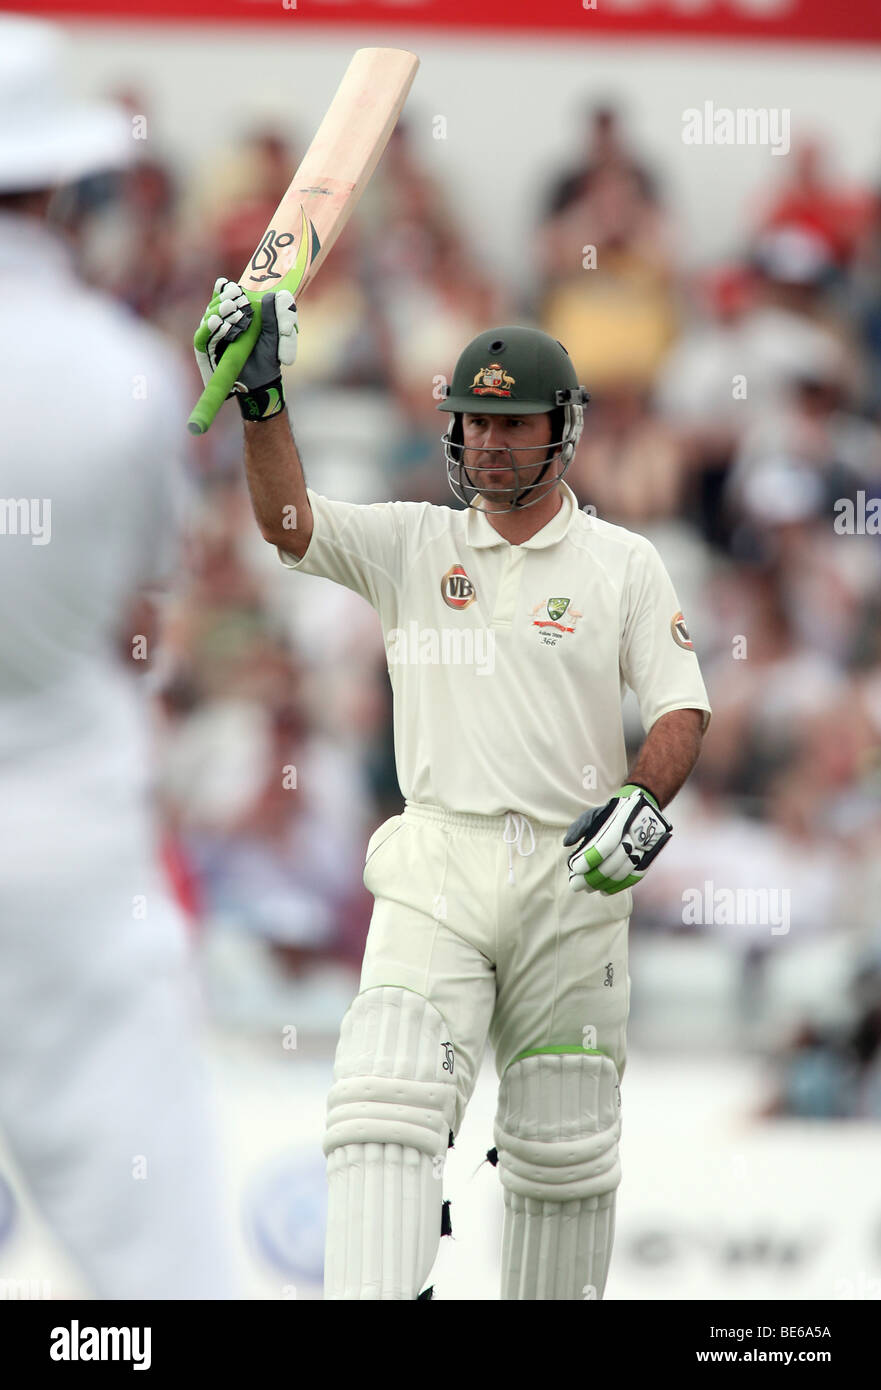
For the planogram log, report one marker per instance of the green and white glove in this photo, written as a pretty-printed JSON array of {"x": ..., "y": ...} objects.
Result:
[
  {"x": 616, "y": 842},
  {"x": 259, "y": 390}
]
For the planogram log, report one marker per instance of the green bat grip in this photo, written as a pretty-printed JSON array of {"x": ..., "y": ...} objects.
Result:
[
  {"x": 224, "y": 378},
  {"x": 237, "y": 354}
]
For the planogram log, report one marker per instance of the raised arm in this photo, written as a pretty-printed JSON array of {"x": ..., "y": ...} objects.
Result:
[
  {"x": 276, "y": 484},
  {"x": 275, "y": 474}
]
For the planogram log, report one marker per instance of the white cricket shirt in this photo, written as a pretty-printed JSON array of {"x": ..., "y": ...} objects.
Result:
[{"x": 508, "y": 663}]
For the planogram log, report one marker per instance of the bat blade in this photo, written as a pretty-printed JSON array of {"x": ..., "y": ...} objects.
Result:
[{"x": 320, "y": 198}]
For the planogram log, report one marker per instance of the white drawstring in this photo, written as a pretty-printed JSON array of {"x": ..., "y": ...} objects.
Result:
[{"x": 517, "y": 824}]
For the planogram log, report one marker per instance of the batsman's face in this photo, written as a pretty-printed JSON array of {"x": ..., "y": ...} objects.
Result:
[{"x": 493, "y": 445}]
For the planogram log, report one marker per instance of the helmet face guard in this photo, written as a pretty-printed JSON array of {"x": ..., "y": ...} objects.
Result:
[
  {"x": 567, "y": 421},
  {"x": 513, "y": 371}
]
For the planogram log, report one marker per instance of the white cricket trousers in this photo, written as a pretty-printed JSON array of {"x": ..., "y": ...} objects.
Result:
[{"x": 475, "y": 913}]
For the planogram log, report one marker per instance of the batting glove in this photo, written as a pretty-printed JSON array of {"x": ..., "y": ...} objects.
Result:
[
  {"x": 616, "y": 842},
  {"x": 259, "y": 390}
]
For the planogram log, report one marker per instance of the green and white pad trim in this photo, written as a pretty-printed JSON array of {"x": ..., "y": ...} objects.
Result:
[
  {"x": 389, "y": 1117},
  {"x": 557, "y": 1129}
]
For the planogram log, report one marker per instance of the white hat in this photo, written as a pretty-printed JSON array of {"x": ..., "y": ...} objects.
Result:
[{"x": 46, "y": 138}]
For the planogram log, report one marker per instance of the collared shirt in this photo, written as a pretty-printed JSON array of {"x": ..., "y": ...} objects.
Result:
[{"x": 508, "y": 663}]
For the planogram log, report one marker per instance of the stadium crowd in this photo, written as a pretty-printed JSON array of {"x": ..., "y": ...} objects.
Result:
[{"x": 735, "y": 420}]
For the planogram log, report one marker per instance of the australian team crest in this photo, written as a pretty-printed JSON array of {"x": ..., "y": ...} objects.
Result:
[
  {"x": 556, "y": 608},
  {"x": 492, "y": 381},
  {"x": 547, "y": 617}
]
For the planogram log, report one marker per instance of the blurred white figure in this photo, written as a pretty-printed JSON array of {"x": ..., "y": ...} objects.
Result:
[{"x": 102, "y": 1096}]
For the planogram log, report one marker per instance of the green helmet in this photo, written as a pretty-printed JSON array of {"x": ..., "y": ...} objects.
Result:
[{"x": 515, "y": 371}]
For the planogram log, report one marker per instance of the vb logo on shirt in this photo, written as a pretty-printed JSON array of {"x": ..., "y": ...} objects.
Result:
[
  {"x": 457, "y": 590},
  {"x": 680, "y": 632}
]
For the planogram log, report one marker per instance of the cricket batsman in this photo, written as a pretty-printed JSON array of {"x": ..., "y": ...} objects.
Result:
[{"x": 504, "y": 890}]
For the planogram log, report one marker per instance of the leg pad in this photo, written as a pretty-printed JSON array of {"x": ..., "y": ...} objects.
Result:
[
  {"x": 389, "y": 1116},
  {"x": 557, "y": 1129}
]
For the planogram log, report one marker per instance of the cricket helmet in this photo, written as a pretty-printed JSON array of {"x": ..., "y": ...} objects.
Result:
[{"x": 515, "y": 371}]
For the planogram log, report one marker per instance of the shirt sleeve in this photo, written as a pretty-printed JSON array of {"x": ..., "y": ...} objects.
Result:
[
  {"x": 658, "y": 660},
  {"x": 355, "y": 545}
]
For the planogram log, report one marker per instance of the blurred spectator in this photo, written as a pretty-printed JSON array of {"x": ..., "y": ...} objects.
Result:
[
  {"x": 430, "y": 295},
  {"x": 765, "y": 681},
  {"x": 605, "y": 261},
  {"x": 341, "y": 343},
  {"x": 604, "y": 147},
  {"x": 757, "y": 329},
  {"x": 237, "y": 194},
  {"x": 819, "y": 1077},
  {"x": 809, "y": 199},
  {"x": 864, "y": 299},
  {"x": 835, "y": 1073},
  {"x": 772, "y": 351},
  {"x": 132, "y": 252},
  {"x": 811, "y": 427},
  {"x": 274, "y": 855},
  {"x": 630, "y": 464},
  {"x": 696, "y": 391},
  {"x": 796, "y": 324}
]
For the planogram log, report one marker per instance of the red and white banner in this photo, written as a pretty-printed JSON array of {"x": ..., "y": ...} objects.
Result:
[{"x": 836, "y": 21}]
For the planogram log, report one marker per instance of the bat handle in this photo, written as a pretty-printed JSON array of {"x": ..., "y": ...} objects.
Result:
[{"x": 223, "y": 379}]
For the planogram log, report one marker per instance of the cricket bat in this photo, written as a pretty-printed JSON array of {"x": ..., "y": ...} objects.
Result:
[{"x": 320, "y": 199}]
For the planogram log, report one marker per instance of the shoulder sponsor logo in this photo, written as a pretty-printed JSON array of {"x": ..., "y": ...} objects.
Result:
[
  {"x": 457, "y": 590},
  {"x": 680, "y": 632}
]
